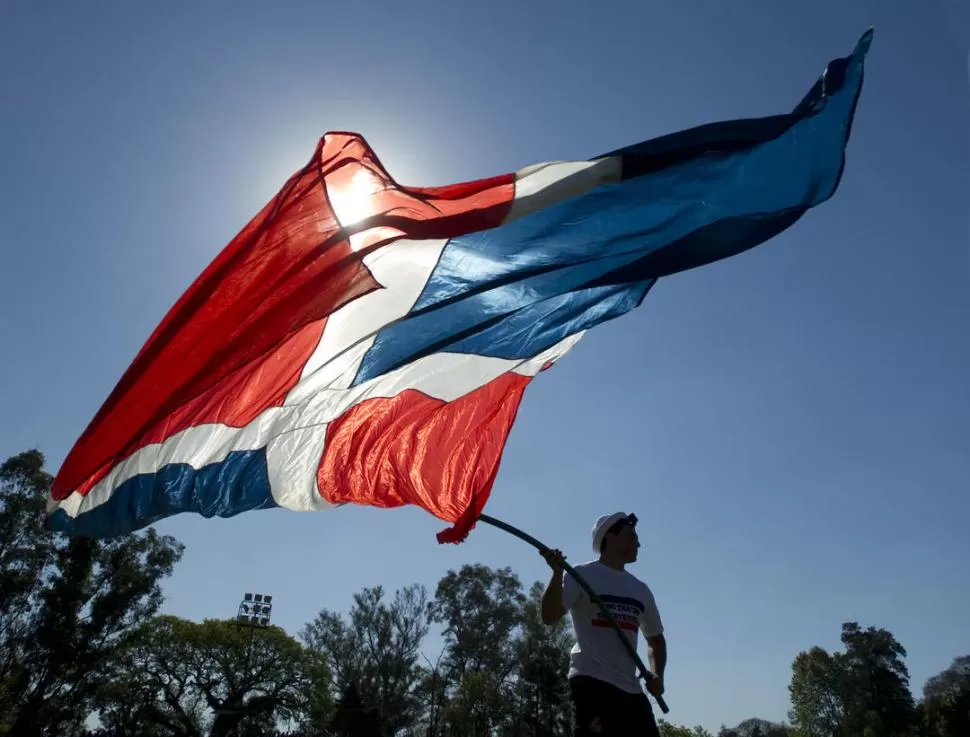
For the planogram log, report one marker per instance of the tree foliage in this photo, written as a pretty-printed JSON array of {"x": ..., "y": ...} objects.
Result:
[
  {"x": 756, "y": 728},
  {"x": 863, "y": 690},
  {"x": 480, "y": 611},
  {"x": 542, "y": 662},
  {"x": 374, "y": 653},
  {"x": 177, "y": 677},
  {"x": 479, "y": 608},
  {"x": 67, "y": 604},
  {"x": 668, "y": 729},
  {"x": 946, "y": 701},
  {"x": 817, "y": 694}
]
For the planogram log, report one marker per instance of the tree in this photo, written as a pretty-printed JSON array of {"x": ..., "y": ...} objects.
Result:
[
  {"x": 431, "y": 693},
  {"x": 542, "y": 664},
  {"x": 480, "y": 610},
  {"x": 183, "y": 678},
  {"x": 353, "y": 718},
  {"x": 675, "y": 730},
  {"x": 24, "y": 553},
  {"x": 863, "y": 691},
  {"x": 376, "y": 652},
  {"x": 946, "y": 701},
  {"x": 151, "y": 691},
  {"x": 816, "y": 689},
  {"x": 878, "y": 699},
  {"x": 756, "y": 728},
  {"x": 478, "y": 705},
  {"x": 67, "y": 604}
]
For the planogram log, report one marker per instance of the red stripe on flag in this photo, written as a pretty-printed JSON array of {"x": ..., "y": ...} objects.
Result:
[
  {"x": 236, "y": 341},
  {"x": 238, "y": 400},
  {"x": 415, "y": 449}
]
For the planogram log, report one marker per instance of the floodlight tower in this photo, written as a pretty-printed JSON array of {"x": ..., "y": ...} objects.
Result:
[{"x": 255, "y": 610}]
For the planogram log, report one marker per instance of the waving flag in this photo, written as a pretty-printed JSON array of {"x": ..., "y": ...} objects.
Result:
[{"x": 365, "y": 342}]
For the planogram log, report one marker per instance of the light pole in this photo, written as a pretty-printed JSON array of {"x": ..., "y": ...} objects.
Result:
[{"x": 254, "y": 612}]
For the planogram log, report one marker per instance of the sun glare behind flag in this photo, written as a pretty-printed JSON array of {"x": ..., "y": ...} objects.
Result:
[{"x": 365, "y": 342}]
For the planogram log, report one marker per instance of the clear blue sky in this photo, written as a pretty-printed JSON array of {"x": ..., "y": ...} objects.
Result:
[{"x": 792, "y": 425}]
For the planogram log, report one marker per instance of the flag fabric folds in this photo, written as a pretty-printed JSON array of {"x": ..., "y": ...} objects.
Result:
[{"x": 360, "y": 341}]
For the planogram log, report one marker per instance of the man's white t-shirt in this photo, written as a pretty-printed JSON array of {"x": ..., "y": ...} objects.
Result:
[{"x": 598, "y": 651}]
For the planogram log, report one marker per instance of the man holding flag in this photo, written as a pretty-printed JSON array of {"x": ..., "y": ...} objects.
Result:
[{"x": 602, "y": 675}]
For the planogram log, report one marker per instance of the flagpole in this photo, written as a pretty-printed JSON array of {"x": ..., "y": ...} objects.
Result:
[{"x": 631, "y": 650}]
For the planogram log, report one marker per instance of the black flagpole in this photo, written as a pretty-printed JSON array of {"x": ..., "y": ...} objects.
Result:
[{"x": 645, "y": 674}]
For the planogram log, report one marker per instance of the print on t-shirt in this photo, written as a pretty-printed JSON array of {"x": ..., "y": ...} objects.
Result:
[{"x": 625, "y": 611}]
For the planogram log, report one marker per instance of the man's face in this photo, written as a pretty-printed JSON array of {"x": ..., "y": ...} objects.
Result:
[{"x": 626, "y": 543}]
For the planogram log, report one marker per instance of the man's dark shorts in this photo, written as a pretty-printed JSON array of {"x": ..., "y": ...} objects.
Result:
[{"x": 603, "y": 710}]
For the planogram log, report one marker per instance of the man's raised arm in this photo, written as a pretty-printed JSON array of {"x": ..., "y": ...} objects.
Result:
[{"x": 552, "y": 608}]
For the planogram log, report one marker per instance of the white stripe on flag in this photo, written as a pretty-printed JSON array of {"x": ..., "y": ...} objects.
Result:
[
  {"x": 445, "y": 376},
  {"x": 542, "y": 185}
]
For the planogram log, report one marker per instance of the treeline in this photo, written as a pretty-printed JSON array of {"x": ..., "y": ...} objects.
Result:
[{"x": 83, "y": 651}]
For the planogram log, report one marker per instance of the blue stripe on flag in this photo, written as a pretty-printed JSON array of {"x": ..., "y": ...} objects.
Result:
[
  {"x": 516, "y": 290},
  {"x": 239, "y": 483}
]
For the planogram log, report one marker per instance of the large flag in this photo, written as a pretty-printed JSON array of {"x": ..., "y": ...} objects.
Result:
[{"x": 365, "y": 342}]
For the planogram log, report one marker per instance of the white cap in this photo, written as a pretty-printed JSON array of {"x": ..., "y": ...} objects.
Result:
[{"x": 602, "y": 525}]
